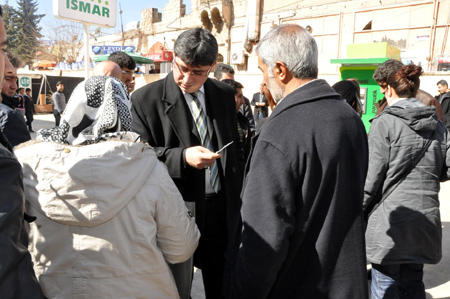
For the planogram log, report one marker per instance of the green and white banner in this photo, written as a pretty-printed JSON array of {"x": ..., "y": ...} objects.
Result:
[{"x": 99, "y": 12}]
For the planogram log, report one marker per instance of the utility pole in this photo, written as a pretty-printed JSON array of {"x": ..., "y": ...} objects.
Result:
[
  {"x": 121, "y": 24},
  {"x": 87, "y": 59}
]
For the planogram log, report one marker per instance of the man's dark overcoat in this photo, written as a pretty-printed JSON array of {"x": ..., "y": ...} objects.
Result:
[
  {"x": 303, "y": 230},
  {"x": 264, "y": 110},
  {"x": 29, "y": 108},
  {"x": 163, "y": 119}
]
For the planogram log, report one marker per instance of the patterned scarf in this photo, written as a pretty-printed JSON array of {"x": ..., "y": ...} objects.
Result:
[{"x": 98, "y": 109}]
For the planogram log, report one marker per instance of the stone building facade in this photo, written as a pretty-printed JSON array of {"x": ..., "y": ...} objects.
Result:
[{"x": 418, "y": 28}]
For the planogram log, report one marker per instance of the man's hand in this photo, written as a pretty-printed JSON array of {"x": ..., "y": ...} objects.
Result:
[{"x": 200, "y": 157}]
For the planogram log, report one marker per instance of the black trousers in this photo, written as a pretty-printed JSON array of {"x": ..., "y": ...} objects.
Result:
[
  {"x": 57, "y": 117},
  {"x": 28, "y": 122},
  {"x": 210, "y": 254}
]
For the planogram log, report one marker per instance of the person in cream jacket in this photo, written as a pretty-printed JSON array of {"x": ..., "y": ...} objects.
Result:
[{"x": 109, "y": 217}]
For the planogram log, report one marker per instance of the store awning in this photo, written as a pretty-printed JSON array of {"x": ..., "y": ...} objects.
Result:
[
  {"x": 45, "y": 63},
  {"x": 444, "y": 60},
  {"x": 359, "y": 61},
  {"x": 159, "y": 54},
  {"x": 136, "y": 57}
]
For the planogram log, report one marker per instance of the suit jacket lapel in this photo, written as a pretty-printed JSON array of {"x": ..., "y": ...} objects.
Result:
[
  {"x": 216, "y": 118},
  {"x": 179, "y": 114}
]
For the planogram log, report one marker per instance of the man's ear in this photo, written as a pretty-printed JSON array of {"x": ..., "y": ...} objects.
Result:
[{"x": 281, "y": 71}]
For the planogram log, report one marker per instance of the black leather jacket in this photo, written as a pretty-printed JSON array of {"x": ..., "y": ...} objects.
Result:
[
  {"x": 13, "y": 126},
  {"x": 17, "y": 277},
  {"x": 444, "y": 99}
]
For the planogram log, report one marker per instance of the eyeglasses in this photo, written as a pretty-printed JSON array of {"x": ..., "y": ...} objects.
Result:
[
  {"x": 193, "y": 73},
  {"x": 128, "y": 73}
]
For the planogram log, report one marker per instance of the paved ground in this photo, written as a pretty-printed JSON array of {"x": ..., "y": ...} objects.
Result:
[
  {"x": 436, "y": 279},
  {"x": 42, "y": 121}
]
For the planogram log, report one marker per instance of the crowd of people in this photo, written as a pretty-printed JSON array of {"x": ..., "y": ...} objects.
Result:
[{"x": 126, "y": 194}]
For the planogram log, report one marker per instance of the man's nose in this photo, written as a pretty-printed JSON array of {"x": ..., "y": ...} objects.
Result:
[{"x": 187, "y": 76}]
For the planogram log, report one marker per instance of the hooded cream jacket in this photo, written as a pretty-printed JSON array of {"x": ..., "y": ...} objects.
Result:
[{"x": 108, "y": 218}]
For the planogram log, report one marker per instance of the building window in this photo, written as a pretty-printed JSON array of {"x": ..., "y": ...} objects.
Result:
[{"x": 368, "y": 26}]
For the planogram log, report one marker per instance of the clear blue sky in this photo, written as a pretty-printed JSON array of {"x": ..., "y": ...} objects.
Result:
[{"x": 131, "y": 12}]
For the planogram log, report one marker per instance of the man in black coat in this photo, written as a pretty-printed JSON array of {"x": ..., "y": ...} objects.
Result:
[
  {"x": 17, "y": 277},
  {"x": 27, "y": 106},
  {"x": 29, "y": 109},
  {"x": 261, "y": 104},
  {"x": 12, "y": 122},
  {"x": 303, "y": 228},
  {"x": 444, "y": 100},
  {"x": 244, "y": 127},
  {"x": 226, "y": 72},
  {"x": 187, "y": 117}
]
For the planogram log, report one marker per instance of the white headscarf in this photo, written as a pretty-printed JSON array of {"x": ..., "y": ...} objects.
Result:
[{"x": 98, "y": 109}]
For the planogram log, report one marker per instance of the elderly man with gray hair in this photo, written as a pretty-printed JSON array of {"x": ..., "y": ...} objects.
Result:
[{"x": 303, "y": 227}]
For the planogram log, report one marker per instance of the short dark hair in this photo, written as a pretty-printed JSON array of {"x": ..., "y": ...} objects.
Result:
[
  {"x": 196, "y": 47},
  {"x": 123, "y": 60},
  {"x": 350, "y": 91},
  {"x": 1, "y": 11},
  {"x": 222, "y": 68},
  {"x": 19, "y": 89},
  {"x": 442, "y": 82},
  {"x": 234, "y": 84},
  {"x": 388, "y": 67},
  {"x": 27, "y": 89},
  {"x": 14, "y": 59}
]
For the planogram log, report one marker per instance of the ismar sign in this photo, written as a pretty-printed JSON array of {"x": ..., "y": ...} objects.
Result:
[{"x": 99, "y": 12}]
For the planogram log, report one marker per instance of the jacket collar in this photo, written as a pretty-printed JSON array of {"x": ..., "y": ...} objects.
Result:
[
  {"x": 8, "y": 101},
  {"x": 178, "y": 111},
  {"x": 313, "y": 91}
]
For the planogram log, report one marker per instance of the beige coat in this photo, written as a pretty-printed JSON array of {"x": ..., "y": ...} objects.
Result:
[{"x": 108, "y": 218}]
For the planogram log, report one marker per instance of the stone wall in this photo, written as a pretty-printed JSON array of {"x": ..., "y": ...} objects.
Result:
[
  {"x": 173, "y": 10},
  {"x": 405, "y": 24},
  {"x": 149, "y": 16}
]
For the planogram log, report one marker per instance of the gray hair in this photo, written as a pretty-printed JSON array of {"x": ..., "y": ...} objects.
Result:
[{"x": 294, "y": 46}]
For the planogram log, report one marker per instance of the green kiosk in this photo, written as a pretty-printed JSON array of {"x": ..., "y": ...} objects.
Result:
[{"x": 358, "y": 66}]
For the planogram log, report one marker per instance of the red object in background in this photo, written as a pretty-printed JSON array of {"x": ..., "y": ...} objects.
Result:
[
  {"x": 444, "y": 60},
  {"x": 158, "y": 54},
  {"x": 45, "y": 63}
]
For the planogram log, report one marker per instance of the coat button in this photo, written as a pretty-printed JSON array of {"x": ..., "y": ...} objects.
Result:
[
  {"x": 233, "y": 169},
  {"x": 66, "y": 150}
]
